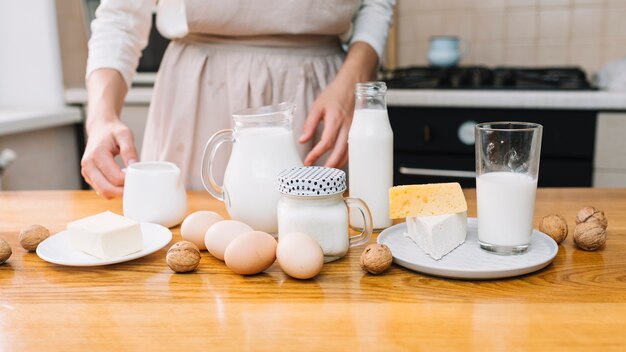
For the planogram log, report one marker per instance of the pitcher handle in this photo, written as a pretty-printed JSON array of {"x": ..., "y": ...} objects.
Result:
[
  {"x": 213, "y": 145},
  {"x": 364, "y": 236}
]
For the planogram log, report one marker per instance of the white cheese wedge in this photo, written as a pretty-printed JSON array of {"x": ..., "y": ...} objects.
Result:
[
  {"x": 106, "y": 235},
  {"x": 438, "y": 235}
]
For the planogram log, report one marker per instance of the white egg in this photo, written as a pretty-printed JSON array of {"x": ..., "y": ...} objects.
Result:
[
  {"x": 219, "y": 236},
  {"x": 299, "y": 255},
  {"x": 196, "y": 224}
]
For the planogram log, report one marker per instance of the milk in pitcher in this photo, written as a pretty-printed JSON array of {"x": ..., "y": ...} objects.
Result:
[{"x": 259, "y": 154}]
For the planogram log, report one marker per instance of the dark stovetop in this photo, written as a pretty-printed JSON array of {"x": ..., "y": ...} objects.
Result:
[{"x": 480, "y": 77}]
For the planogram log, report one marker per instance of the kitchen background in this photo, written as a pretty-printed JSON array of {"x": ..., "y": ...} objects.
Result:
[
  {"x": 42, "y": 95},
  {"x": 586, "y": 33}
]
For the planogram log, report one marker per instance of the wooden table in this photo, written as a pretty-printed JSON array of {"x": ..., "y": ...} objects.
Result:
[{"x": 578, "y": 302}]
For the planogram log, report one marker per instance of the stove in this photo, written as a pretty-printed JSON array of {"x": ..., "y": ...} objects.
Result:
[
  {"x": 436, "y": 144},
  {"x": 481, "y": 77}
]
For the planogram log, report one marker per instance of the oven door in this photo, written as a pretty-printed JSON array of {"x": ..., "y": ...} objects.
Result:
[{"x": 418, "y": 169}]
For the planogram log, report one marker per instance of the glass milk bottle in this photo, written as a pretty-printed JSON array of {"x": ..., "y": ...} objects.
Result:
[
  {"x": 263, "y": 146},
  {"x": 370, "y": 149}
]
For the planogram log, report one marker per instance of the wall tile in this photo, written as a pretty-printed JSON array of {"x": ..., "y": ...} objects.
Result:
[
  {"x": 406, "y": 54},
  {"x": 458, "y": 24},
  {"x": 422, "y": 5},
  {"x": 489, "y": 52},
  {"x": 404, "y": 6},
  {"x": 614, "y": 49},
  {"x": 588, "y": 2},
  {"x": 521, "y": 24},
  {"x": 547, "y": 3},
  {"x": 421, "y": 55},
  {"x": 463, "y": 4},
  {"x": 406, "y": 28},
  {"x": 554, "y": 23},
  {"x": 487, "y": 4},
  {"x": 520, "y": 55},
  {"x": 552, "y": 55},
  {"x": 587, "y": 24},
  {"x": 489, "y": 25},
  {"x": 427, "y": 25},
  {"x": 616, "y": 23},
  {"x": 517, "y": 32},
  {"x": 589, "y": 56},
  {"x": 521, "y": 3},
  {"x": 616, "y": 4}
]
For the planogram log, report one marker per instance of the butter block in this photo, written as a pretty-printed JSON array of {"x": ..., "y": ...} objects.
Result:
[
  {"x": 438, "y": 235},
  {"x": 106, "y": 235},
  {"x": 426, "y": 200}
]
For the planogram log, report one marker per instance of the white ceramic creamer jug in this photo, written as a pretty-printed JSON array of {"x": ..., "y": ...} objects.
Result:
[
  {"x": 263, "y": 146},
  {"x": 155, "y": 192}
]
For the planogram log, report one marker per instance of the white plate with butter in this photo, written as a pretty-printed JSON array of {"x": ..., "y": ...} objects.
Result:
[
  {"x": 57, "y": 249},
  {"x": 469, "y": 261}
]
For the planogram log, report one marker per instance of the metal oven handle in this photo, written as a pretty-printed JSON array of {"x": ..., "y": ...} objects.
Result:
[{"x": 436, "y": 172}]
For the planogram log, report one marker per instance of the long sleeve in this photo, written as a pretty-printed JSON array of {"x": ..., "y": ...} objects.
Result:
[
  {"x": 118, "y": 35},
  {"x": 371, "y": 24}
]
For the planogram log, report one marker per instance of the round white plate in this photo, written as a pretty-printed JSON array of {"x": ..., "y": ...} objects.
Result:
[
  {"x": 469, "y": 261},
  {"x": 57, "y": 249}
]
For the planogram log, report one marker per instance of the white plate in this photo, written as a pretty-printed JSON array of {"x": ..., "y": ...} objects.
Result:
[
  {"x": 469, "y": 261},
  {"x": 58, "y": 250}
]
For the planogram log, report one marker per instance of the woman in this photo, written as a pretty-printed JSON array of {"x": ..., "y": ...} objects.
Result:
[{"x": 226, "y": 56}]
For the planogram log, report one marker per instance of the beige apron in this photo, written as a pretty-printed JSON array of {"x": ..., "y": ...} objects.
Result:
[{"x": 241, "y": 54}]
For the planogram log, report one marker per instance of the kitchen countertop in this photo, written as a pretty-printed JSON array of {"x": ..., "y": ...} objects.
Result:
[
  {"x": 586, "y": 100},
  {"x": 16, "y": 120},
  {"x": 576, "y": 303},
  {"x": 572, "y": 100}
]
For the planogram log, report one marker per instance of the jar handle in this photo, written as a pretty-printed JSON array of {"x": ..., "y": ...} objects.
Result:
[
  {"x": 213, "y": 145},
  {"x": 364, "y": 236}
]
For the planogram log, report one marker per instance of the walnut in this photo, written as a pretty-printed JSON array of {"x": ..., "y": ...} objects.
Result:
[
  {"x": 183, "y": 257},
  {"x": 31, "y": 236},
  {"x": 376, "y": 258},
  {"x": 590, "y": 235},
  {"x": 555, "y": 226},
  {"x": 5, "y": 251},
  {"x": 587, "y": 213}
]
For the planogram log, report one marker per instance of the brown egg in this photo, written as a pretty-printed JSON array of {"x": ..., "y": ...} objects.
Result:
[
  {"x": 250, "y": 253},
  {"x": 195, "y": 226},
  {"x": 219, "y": 236},
  {"x": 299, "y": 255}
]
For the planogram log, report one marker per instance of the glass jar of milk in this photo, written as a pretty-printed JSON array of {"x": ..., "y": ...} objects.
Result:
[{"x": 312, "y": 202}]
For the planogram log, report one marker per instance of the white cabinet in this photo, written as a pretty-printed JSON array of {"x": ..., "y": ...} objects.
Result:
[
  {"x": 610, "y": 153},
  {"x": 46, "y": 159},
  {"x": 46, "y": 147}
]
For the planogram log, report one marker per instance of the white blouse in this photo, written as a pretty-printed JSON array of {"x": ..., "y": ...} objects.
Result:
[{"x": 121, "y": 29}]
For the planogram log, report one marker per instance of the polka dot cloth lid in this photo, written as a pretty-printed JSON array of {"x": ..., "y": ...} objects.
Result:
[{"x": 311, "y": 181}]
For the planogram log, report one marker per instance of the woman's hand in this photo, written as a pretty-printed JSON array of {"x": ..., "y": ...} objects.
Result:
[
  {"x": 335, "y": 106},
  {"x": 108, "y": 136}
]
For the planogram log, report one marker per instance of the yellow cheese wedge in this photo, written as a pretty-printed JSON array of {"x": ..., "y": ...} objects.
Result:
[{"x": 426, "y": 200}]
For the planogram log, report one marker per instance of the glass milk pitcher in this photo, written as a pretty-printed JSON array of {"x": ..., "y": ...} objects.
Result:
[{"x": 263, "y": 146}]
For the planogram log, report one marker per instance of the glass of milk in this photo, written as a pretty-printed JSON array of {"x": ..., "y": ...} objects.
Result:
[{"x": 507, "y": 165}]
